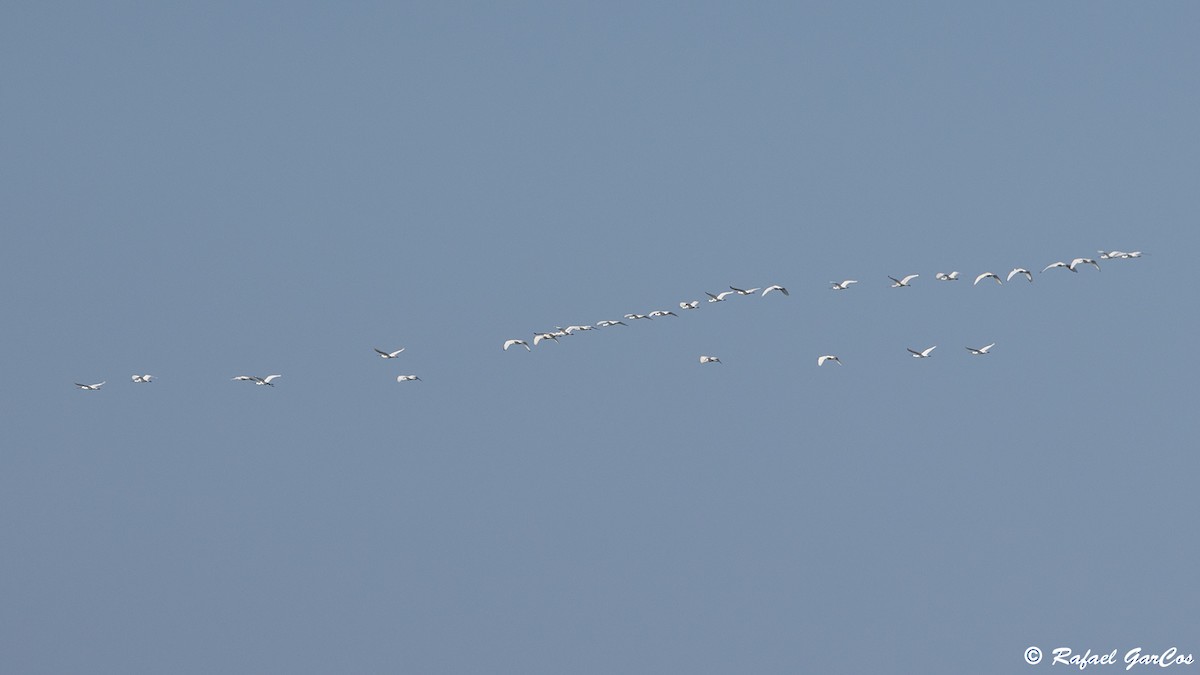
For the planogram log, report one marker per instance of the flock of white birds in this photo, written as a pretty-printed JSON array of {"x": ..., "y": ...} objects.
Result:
[
  {"x": 562, "y": 332},
  {"x": 845, "y": 284}
]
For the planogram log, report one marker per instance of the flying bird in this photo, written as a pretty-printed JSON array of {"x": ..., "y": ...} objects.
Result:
[
  {"x": 942, "y": 276},
  {"x": 776, "y": 287},
  {"x": 709, "y": 359},
  {"x": 987, "y": 275},
  {"x": 1020, "y": 270},
  {"x": 406, "y": 378},
  {"x": 743, "y": 291},
  {"x": 841, "y": 286},
  {"x": 638, "y": 316},
  {"x": 388, "y": 355},
  {"x": 922, "y": 354},
  {"x": 694, "y": 304},
  {"x": 662, "y": 312},
  {"x": 719, "y": 297},
  {"x": 142, "y": 379},
  {"x": 509, "y": 343},
  {"x": 828, "y": 357},
  {"x": 606, "y": 323},
  {"x": 257, "y": 380},
  {"x": 538, "y": 337},
  {"x": 90, "y": 387},
  {"x": 982, "y": 350},
  {"x": 903, "y": 283}
]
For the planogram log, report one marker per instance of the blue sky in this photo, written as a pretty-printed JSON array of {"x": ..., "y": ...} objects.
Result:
[{"x": 201, "y": 190}]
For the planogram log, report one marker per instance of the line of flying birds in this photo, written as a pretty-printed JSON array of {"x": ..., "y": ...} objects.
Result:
[
  {"x": 902, "y": 282},
  {"x": 558, "y": 332}
]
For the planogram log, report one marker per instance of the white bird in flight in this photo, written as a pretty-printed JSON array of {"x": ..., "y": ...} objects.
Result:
[
  {"x": 538, "y": 337},
  {"x": 828, "y": 357},
  {"x": 694, "y": 304},
  {"x": 606, "y": 323},
  {"x": 142, "y": 379},
  {"x": 90, "y": 387},
  {"x": 719, "y": 297},
  {"x": 1020, "y": 270},
  {"x": 982, "y": 350},
  {"x": 509, "y": 343},
  {"x": 841, "y": 286},
  {"x": 942, "y": 276},
  {"x": 776, "y": 287},
  {"x": 406, "y": 378},
  {"x": 662, "y": 312},
  {"x": 903, "y": 283},
  {"x": 987, "y": 275},
  {"x": 743, "y": 291},
  {"x": 388, "y": 355},
  {"x": 257, "y": 380},
  {"x": 709, "y": 359},
  {"x": 922, "y": 354},
  {"x": 633, "y": 317}
]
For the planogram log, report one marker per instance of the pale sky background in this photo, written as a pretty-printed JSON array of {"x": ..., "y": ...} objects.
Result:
[{"x": 201, "y": 190}]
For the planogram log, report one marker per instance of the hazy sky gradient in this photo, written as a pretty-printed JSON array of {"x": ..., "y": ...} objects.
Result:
[{"x": 202, "y": 190}]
